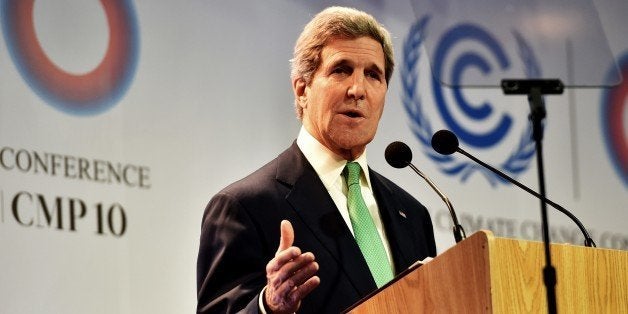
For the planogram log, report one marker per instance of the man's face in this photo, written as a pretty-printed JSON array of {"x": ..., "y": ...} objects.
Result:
[{"x": 344, "y": 101}]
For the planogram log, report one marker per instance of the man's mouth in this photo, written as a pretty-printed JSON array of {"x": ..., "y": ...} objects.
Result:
[{"x": 353, "y": 114}]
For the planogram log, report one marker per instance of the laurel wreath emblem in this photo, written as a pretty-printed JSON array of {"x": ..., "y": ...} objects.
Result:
[{"x": 519, "y": 159}]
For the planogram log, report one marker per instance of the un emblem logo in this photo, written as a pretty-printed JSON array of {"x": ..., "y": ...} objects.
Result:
[{"x": 451, "y": 103}]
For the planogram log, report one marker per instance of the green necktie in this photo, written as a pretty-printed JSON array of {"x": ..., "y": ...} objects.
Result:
[{"x": 364, "y": 228}]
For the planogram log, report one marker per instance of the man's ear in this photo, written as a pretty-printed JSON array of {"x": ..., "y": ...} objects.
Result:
[{"x": 300, "y": 91}]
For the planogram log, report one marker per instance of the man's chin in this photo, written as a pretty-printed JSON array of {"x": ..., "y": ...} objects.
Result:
[{"x": 354, "y": 146}]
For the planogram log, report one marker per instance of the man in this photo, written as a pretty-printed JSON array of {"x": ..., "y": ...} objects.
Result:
[{"x": 291, "y": 236}]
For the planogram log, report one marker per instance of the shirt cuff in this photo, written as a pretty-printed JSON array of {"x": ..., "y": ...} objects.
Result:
[{"x": 260, "y": 302}]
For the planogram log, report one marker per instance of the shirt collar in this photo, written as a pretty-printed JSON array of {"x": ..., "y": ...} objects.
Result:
[{"x": 327, "y": 165}]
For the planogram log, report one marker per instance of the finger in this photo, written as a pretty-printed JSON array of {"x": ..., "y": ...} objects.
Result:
[
  {"x": 296, "y": 265},
  {"x": 287, "y": 236},
  {"x": 282, "y": 258},
  {"x": 278, "y": 273},
  {"x": 303, "y": 290},
  {"x": 305, "y": 273},
  {"x": 285, "y": 282}
]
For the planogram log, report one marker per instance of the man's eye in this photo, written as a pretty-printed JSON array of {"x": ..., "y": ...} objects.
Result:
[
  {"x": 341, "y": 70},
  {"x": 373, "y": 75}
]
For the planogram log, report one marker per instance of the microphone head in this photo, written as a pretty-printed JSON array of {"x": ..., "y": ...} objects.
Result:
[
  {"x": 398, "y": 154},
  {"x": 445, "y": 142}
]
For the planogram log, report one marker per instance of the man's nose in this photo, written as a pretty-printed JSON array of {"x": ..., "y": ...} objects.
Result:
[{"x": 357, "y": 90}]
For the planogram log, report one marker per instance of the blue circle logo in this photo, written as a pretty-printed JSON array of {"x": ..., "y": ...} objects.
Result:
[{"x": 519, "y": 158}]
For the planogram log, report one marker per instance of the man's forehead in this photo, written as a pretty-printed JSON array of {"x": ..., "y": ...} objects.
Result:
[{"x": 348, "y": 50}]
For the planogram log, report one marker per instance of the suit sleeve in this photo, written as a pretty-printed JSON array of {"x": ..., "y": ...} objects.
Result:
[{"x": 231, "y": 260}]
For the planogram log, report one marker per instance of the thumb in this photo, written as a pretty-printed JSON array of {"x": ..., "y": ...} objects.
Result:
[{"x": 287, "y": 235}]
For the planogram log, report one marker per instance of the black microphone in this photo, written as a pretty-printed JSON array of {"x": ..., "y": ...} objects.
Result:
[
  {"x": 445, "y": 142},
  {"x": 399, "y": 155}
]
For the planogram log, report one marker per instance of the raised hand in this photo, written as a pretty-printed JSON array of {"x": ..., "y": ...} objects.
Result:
[{"x": 290, "y": 274}]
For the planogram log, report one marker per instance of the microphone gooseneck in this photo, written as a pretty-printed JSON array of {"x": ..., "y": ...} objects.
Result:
[
  {"x": 447, "y": 143},
  {"x": 399, "y": 155}
]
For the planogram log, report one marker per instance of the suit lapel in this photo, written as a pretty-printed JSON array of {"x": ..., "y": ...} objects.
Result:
[
  {"x": 312, "y": 203},
  {"x": 395, "y": 223}
]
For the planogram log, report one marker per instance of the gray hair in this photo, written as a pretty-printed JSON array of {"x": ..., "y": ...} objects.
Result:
[{"x": 333, "y": 23}]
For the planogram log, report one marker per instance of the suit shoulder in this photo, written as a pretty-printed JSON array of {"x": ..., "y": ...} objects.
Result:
[
  {"x": 273, "y": 177},
  {"x": 257, "y": 182}
]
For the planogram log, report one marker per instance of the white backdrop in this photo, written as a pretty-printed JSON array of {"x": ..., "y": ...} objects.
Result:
[{"x": 207, "y": 101}]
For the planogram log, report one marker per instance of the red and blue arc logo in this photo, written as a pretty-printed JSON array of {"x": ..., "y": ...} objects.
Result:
[
  {"x": 614, "y": 103},
  {"x": 84, "y": 94}
]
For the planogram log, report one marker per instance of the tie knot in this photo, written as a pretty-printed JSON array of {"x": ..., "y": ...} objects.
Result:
[{"x": 352, "y": 173}]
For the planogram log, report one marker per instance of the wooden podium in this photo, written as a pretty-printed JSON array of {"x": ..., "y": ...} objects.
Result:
[{"x": 485, "y": 274}]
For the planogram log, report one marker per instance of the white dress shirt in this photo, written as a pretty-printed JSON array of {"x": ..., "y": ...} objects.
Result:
[{"x": 329, "y": 167}]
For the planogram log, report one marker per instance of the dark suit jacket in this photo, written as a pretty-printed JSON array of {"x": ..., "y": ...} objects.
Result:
[{"x": 240, "y": 234}]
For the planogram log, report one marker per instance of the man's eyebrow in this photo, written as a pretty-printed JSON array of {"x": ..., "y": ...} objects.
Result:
[
  {"x": 376, "y": 68},
  {"x": 340, "y": 62},
  {"x": 372, "y": 67}
]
